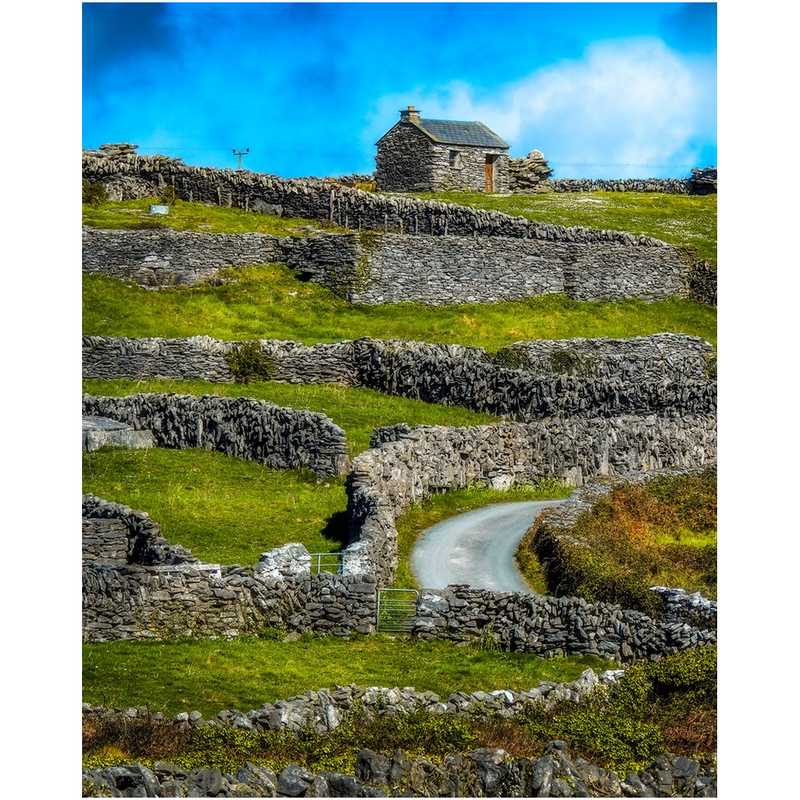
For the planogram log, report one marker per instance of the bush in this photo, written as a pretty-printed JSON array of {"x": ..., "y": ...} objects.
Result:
[
  {"x": 169, "y": 197},
  {"x": 636, "y": 537},
  {"x": 510, "y": 358},
  {"x": 94, "y": 194},
  {"x": 248, "y": 363}
]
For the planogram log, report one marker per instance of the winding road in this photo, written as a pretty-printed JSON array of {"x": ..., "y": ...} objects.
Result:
[{"x": 476, "y": 548}]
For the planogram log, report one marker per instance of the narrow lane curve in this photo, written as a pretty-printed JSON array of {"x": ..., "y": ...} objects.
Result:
[{"x": 476, "y": 548}]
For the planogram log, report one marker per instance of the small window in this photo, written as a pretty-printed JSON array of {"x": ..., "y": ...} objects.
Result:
[{"x": 455, "y": 159}]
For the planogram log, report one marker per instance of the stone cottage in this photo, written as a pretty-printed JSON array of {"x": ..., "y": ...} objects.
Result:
[{"x": 435, "y": 154}]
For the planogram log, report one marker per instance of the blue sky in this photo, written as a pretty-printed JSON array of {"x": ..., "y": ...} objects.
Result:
[{"x": 602, "y": 89}]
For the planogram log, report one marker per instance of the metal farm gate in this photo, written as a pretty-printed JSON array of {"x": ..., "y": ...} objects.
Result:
[{"x": 396, "y": 609}]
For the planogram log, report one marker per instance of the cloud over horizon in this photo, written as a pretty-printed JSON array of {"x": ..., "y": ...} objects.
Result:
[
  {"x": 310, "y": 87},
  {"x": 624, "y": 105}
]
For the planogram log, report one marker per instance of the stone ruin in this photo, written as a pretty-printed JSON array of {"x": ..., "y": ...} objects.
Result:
[{"x": 529, "y": 174}]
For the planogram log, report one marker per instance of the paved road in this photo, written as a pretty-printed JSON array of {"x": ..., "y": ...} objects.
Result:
[{"x": 476, "y": 548}]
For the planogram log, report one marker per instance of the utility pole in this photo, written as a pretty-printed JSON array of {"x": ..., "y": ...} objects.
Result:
[{"x": 240, "y": 154}]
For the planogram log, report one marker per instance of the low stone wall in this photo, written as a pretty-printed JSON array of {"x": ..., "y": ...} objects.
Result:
[
  {"x": 150, "y": 589},
  {"x": 128, "y": 176},
  {"x": 486, "y": 772},
  {"x": 167, "y": 257},
  {"x": 702, "y": 181},
  {"x": 580, "y": 377},
  {"x": 406, "y": 465},
  {"x": 552, "y": 626},
  {"x": 679, "y": 606},
  {"x": 378, "y": 268},
  {"x": 458, "y": 269},
  {"x": 480, "y": 773},
  {"x": 281, "y": 438},
  {"x": 324, "y": 710}
]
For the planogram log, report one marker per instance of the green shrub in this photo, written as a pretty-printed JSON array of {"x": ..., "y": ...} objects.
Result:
[
  {"x": 248, "y": 363},
  {"x": 509, "y": 358},
  {"x": 94, "y": 194},
  {"x": 169, "y": 197},
  {"x": 635, "y": 537}
]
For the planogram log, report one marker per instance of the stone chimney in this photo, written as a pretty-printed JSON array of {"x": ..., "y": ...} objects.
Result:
[{"x": 409, "y": 114}]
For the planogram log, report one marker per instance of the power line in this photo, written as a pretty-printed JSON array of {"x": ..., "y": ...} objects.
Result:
[{"x": 240, "y": 154}]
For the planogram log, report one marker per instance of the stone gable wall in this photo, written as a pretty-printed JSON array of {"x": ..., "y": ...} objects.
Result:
[
  {"x": 404, "y": 160},
  {"x": 281, "y": 438}
]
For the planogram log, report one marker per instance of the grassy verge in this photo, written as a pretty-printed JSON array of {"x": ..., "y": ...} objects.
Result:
[
  {"x": 185, "y": 216},
  {"x": 666, "y": 706},
  {"x": 269, "y": 302},
  {"x": 209, "y": 676},
  {"x": 356, "y": 411},
  {"x": 663, "y": 533},
  {"x": 680, "y": 220},
  {"x": 442, "y": 506},
  {"x": 225, "y": 510}
]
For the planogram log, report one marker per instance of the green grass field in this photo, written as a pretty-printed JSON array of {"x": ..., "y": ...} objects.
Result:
[
  {"x": 680, "y": 220},
  {"x": 356, "y": 411},
  {"x": 225, "y": 510},
  {"x": 185, "y": 216},
  {"x": 229, "y": 510},
  {"x": 269, "y": 302},
  {"x": 209, "y": 676}
]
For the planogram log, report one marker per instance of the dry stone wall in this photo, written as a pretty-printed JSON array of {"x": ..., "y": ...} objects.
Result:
[
  {"x": 479, "y": 773},
  {"x": 472, "y": 249},
  {"x": 168, "y": 257},
  {"x": 552, "y": 626},
  {"x": 148, "y": 588},
  {"x": 702, "y": 181},
  {"x": 583, "y": 377},
  {"x": 406, "y": 465},
  {"x": 485, "y": 772},
  {"x": 131, "y": 176},
  {"x": 281, "y": 438},
  {"x": 391, "y": 268}
]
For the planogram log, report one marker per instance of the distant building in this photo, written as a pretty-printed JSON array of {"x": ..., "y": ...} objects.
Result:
[{"x": 434, "y": 155}]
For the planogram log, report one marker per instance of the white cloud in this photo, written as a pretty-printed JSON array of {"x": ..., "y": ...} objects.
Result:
[{"x": 626, "y": 102}]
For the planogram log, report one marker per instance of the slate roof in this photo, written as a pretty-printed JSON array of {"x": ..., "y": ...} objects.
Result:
[
  {"x": 445, "y": 131},
  {"x": 474, "y": 134}
]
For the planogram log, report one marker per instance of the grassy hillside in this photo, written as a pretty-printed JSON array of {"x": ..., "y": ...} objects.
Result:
[
  {"x": 680, "y": 220},
  {"x": 356, "y": 411},
  {"x": 212, "y": 677},
  {"x": 269, "y": 302},
  {"x": 185, "y": 216}
]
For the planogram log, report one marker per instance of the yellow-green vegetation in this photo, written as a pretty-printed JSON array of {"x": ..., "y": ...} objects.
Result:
[
  {"x": 269, "y": 302},
  {"x": 212, "y": 675},
  {"x": 669, "y": 705},
  {"x": 186, "y": 216},
  {"x": 225, "y": 510},
  {"x": 680, "y": 220},
  {"x": 663, "y": 533},
  {"x": 422, "y": 516},
  {"x": 666, "y": 706},
  {"x": 356, "y": 411}
]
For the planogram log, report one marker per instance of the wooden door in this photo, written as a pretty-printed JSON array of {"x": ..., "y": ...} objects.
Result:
[{"x": 489, "y": 187}]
